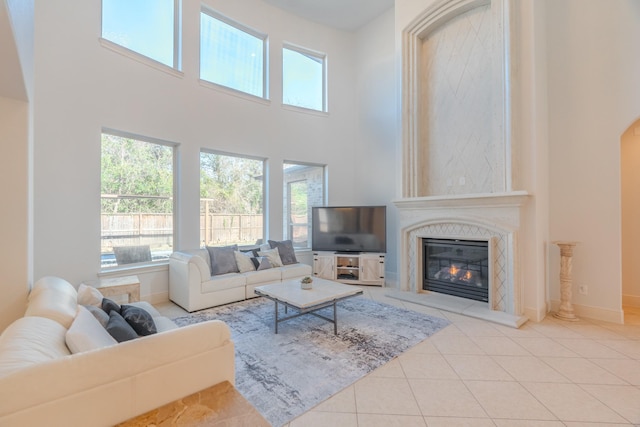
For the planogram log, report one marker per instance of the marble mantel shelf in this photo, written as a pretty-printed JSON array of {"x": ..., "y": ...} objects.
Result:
[{"x": 513, "y": 198}]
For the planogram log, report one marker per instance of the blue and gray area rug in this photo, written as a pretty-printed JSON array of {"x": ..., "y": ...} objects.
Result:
[{"x": 287, "y": 374}]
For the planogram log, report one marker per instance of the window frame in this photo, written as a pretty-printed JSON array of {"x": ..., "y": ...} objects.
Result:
[
  {"x": 310, "y": 53},
  {"x": 204, "y": 9},
  {"x": 175, "y": 68},
  {"x": 265, "y": 198},
  {"x": 174, "y": 196}
]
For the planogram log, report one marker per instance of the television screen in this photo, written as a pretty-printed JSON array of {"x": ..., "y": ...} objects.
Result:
[{"x": 349, "y": 229}]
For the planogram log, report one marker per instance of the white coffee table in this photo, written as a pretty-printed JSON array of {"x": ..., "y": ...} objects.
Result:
[{"x": 324, "y": 293}]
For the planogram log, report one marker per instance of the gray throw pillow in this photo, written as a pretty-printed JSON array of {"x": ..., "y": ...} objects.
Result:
[
  {"x": 286, "y": 251},
  {"x": 119, "y": 329},
  {"x": 99, "y": 314},
  {"x": 223, "y": 259},
  {"x": 110, "y": 305},
  {"x": 139, "y": 319},
  {"x": 261, "y": 263}
]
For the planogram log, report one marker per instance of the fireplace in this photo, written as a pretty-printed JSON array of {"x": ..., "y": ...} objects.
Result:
[{"x": 456, "y": 267}]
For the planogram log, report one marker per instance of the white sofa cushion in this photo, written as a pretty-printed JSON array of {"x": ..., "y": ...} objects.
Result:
[
  {"x": 164, "y": 324},
  {"x": 29, "y": 341},
  {"x": 88, "y": 295},
  {"x": 292, "y": 271},
  {"x": 262, "y": 276},
  {"x": 86, "y": 333},
  {"x": 224, "y": 281},
  {"x": 53, "y": 298}
]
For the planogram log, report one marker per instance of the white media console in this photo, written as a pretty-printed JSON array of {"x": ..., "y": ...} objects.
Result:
[{"x": 350, "y": 268}]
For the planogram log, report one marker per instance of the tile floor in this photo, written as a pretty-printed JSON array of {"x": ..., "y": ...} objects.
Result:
[{"x": 476, "y": 373}]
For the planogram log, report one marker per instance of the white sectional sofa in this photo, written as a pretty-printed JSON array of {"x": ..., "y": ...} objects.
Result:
[
  {"x": 192, "y": 286},
  {"x": 43, "y": 384}
]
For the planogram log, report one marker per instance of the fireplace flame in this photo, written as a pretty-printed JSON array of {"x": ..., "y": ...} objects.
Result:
[{"x": 453, "y": 271}]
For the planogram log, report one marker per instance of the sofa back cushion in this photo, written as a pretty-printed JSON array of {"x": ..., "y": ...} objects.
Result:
[
  {"x": 31, "y": 340},
  {"x": 53, "y": 298}
]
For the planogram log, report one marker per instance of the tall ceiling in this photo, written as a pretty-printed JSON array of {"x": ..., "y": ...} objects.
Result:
[{"x": 347, "y": 15}]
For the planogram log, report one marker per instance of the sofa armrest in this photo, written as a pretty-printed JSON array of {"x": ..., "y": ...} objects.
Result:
[
  {"x": 187, "y": 271},
  {"x": 113, "y": 384},
  {"x": 182, "y": 258}
]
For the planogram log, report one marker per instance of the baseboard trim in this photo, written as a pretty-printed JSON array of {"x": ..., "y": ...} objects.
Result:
[
  {"x": 596, "y": 313},
  {"x": 631, "y": 300},
  {"x": 536, "y": 315},
  {"x": 156, "y": 298}
]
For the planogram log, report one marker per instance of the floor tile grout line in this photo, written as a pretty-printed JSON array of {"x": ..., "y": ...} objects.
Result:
[{"x": 604, "y": 403}]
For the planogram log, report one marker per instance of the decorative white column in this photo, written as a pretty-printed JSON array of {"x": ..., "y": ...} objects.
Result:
[{"x": 565, "y": 312}]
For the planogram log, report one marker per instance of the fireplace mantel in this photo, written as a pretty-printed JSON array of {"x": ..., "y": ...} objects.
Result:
[
  {"x": 511, "y": 199},
  {"x": 494, "y": 217}
]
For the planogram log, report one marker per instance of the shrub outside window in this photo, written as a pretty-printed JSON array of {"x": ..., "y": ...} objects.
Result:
[
  {"x": 303, "y": 189},
  {"x": 137, "y": 183},
  {"x": 148, "y": 27},
  {"x": 303, "y": 78},
  {"x": 231, "y": 199},
  {"x": 232, "y": 55}
]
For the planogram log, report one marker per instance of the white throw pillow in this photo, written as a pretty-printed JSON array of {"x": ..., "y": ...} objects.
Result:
[
  {"x": 244, "y": 262},
  {"x": 86, "y": 333},
  {"x": 273, "y": 256},
  {"x": 88, "y": 295}
]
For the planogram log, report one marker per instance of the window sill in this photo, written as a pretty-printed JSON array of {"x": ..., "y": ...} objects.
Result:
[
  {"x": 134, "y": 269},
  {"x": 305, "y": 110},
  {"x": 234, "y": 92},
  {"x": 131, "y": 54}
]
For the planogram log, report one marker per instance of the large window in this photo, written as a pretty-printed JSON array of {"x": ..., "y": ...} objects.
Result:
[
  {"x": 231, "y": 199},
  {"x": 148, "y": 27},
  {"x": 137, "y": 182},
  {"x": 303, "y": 78},
  {"x": 232, "y": 55},
  {"x": 303, "y": 189}
]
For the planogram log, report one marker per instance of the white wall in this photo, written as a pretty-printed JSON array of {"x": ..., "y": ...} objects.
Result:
[
  {"x": 375, "y": 161},
  {"x": 530, "y": 134},
  {"x": 82, "y": 87},
  {"x": 594, "y": 96}
]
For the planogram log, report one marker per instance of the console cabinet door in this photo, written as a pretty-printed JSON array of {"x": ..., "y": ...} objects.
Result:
[
  {"x": 323, "y": 266},
  {"x": 372, "y": 269}
]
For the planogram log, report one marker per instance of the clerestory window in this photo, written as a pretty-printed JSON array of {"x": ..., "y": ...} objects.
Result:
[
  {"x": 304, "y": 78},
  {"x": 232, "y": 55},
  {"x": 148, "y": 27}
]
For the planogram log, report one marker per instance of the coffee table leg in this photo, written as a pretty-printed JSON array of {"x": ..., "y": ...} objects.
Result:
[
  {"x": 335, "y": 320},
  {"x": 276, "y": 316}
]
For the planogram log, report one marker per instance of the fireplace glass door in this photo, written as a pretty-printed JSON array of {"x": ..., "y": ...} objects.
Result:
[{"x": 456, "y": 267}]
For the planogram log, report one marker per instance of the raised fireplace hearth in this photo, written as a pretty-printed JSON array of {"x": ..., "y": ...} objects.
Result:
[{"x": 456, "y": 267}]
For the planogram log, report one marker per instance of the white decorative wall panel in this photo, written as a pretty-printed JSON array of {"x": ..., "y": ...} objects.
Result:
[{"x": 456, "y": 121}]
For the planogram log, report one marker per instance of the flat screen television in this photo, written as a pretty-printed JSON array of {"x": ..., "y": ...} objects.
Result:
[{"x": 349, "y": 228}]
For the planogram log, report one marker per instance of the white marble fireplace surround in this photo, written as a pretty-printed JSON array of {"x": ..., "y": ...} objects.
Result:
[
  {"x": 459, "y": 153},
  {"x": 495, "y": 218}
]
